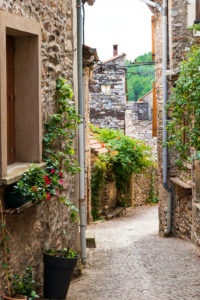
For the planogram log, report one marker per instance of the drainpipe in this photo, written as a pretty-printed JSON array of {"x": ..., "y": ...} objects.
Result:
[
  {"x": 163, "y": 11},
  {"x": 165, "y": 150},
  {"x": 81, "y": 142}
]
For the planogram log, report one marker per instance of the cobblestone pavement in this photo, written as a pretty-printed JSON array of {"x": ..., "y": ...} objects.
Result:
[{"x": 131, "y": 262}]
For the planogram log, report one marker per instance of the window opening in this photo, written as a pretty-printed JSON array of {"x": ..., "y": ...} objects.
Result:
[
  {"x": 105, "y": 88},
  {"x": 197, "y": 10},
  {"x": 10, "y": 67}
]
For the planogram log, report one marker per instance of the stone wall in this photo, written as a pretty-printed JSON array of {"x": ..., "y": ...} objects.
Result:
[
  {"x": 87, "y": 75},
  {"x": 182, "y": 208},
  {"x": 138, "y": 124},
  {"x": 41, "y": 226},
  {"x": 107, "y": 109},
  {"x": 148, "y": 98},
  {"x": 185, "y": 212},
  {"x": 108, "y": 194},
  {"x": 140, "y": 188}
]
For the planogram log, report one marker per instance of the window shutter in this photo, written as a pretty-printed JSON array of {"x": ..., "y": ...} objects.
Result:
[
  {"x": 153, "y": 36},
  {"x": 154, "y": 121},
  {"x": 197, "y": 10}
]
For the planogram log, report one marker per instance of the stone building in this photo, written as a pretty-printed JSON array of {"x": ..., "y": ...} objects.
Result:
[
  {"x": 90, "y": 57},
  {"x": 138, "y": 121},
  {"x": 108, "y": 92},
  {"x": 181, "y": 188},
  {"x": 109, "y": 106},
  {"x": 39, "y": 42}
]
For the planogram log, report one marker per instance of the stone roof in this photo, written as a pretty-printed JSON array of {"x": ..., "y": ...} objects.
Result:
[
  {"x": 142, "y": 98},
  {"x": 90, "y": 55},
  {"x": 114, "y": 57}
]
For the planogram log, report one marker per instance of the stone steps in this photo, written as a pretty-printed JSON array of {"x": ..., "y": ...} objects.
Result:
[{"x": 117, "y": 212}]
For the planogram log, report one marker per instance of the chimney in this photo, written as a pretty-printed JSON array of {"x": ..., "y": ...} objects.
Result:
[{"x": 115, "y": 50}]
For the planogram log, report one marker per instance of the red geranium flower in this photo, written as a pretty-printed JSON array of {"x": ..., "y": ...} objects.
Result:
[
  {"x": 61, "y": 181},
  {"x": 61, "y": 174},
  {"x": 52, "y": 171},
  {"x": 48, "y": 195},
  {"x": 34, "y": 188},
  {"x": 47, "y": 180}
]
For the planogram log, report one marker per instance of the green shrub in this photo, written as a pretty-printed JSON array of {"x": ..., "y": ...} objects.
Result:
[{"x": 124, "y": 157}]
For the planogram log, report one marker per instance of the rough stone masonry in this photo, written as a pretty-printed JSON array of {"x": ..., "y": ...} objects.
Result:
[
  {"x": 108, "y": 94},
  {"x": 41, "y": 226},
  {"x": 184, "y": 184}
]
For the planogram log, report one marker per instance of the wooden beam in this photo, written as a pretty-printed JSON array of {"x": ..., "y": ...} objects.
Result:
[
  {"x": 154, "y": 119},
  {"x": 153, "y": 37}
]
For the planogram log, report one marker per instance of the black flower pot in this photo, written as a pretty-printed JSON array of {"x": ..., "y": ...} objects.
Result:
[{"x": 57, "y": 275}]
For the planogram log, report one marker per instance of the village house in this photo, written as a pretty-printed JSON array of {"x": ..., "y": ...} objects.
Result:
[
  {"x": 109, "y": 106},
  {"x": 139, "y": 121},
  {"x": 38, "y": 46},
  {"x": 108, "y": 92},
  {"x": 178, "y": 192},
  {"x": 90, "y": 58}
]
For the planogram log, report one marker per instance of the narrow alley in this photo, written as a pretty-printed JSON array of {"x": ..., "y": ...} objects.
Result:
[{"x": 131, "y": 262}]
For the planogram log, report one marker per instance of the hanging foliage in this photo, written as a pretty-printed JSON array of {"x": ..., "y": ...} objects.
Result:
[{"x": 184, "y": 109}]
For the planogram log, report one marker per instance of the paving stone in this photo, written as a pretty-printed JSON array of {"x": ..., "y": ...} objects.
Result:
[{"x": 132, "y": 262}]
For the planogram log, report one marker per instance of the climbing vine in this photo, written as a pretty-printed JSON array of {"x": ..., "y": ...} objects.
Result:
[
  {"x": 184, "y": 107},
  {"x": 124, "y": 156},
  {"x": 39, "y": 184},
  {"x": 60, "y": 129},
  {"x": 58, "y": 151},
  {"x": 153, "y": 193}
]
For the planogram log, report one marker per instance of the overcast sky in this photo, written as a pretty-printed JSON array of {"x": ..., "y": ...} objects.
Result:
[{"x": 123, "y": 22}]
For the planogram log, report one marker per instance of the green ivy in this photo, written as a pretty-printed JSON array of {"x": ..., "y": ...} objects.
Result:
[
  {"x": 184, "y": 108},
  {"x": 58, "y": 151},
  {"x": 40, "y": 184},
  {"x": 24, "y": 285},
  {"x": 153, "y": 194},
  {"x": 61, "y": 128}
]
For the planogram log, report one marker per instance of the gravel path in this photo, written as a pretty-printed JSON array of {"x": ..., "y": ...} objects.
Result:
[{"x": 131, "y": 262}]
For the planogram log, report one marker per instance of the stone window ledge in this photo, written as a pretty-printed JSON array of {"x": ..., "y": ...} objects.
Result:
[
  {"x": 15, "y": 171},
  {"x": 20, "y": 209},
  {"x": 181, "y": 183}
]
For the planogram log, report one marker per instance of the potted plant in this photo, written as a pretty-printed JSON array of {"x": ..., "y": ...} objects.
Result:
[
  {"x": 58, "y": 270},
  {"x": 13, "y": 198},
  {"x": 22, "y": 287}
]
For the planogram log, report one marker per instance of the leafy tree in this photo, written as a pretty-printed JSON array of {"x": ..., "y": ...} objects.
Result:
[{"x": 140, "y": 84}]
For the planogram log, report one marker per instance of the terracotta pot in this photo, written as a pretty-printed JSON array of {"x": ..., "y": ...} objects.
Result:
[{"x": 18, "y": 297}]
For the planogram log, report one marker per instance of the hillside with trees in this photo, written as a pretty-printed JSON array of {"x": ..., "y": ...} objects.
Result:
[{"x": 140, "y": 77}]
